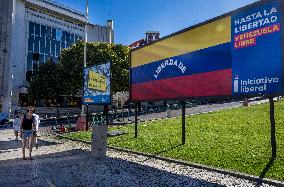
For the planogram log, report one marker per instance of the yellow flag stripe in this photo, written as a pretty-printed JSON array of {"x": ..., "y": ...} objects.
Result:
[{"x": 211, "y": 34}]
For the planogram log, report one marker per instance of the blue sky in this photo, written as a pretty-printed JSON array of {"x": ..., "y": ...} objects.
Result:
[{"x": 132, "y": 18}]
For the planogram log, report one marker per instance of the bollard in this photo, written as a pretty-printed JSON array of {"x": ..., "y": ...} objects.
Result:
[
  {"x": 99, "y": 140},
  {"x": 168, "y": 111},
  {"x": 245, "y": 103}
]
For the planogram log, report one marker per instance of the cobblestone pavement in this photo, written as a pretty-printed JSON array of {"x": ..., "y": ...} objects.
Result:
[{"x": 66, "y": 163}]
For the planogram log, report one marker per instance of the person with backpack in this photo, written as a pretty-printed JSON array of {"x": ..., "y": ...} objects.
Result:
[
  {"x": 26, "y": 131},
  {"x": 16, "y": 124},
  {"x": 37, "y": 121}
]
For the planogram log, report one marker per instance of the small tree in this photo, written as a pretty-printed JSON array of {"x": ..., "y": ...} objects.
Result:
[
  {"x": 71, "y": 63},
  {"x": 46, "y": 83},
  {"x": 66, "y": 78}
]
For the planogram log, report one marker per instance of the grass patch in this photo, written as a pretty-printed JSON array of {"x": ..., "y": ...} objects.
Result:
[{"x": 236, "y": 139}]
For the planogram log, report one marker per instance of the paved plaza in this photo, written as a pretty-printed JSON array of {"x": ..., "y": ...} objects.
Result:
[{"x": 67, "y": 163}]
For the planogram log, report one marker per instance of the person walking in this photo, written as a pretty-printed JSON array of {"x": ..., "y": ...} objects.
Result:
[
  {"x": 16, "y": 124},
  {"x": 37, "y": 121},
  {"x": 26, "y": 131}
]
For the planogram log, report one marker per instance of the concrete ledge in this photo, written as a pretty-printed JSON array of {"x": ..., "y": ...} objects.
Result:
[{"x": 256, "y": 179}]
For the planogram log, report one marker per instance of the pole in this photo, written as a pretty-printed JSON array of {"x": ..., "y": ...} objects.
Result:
[
  {"x": 86, "y": 36},
  {"x": 11, "y": 92},
  {"x": 85, "y": 45},
  {"x": 106, "y": 114},
  {"x": 87, "y": 118},
  {"x": 136, "y": 113},
  {"x": 183, "y": 122},
  {"x": 272, "y": 128}
]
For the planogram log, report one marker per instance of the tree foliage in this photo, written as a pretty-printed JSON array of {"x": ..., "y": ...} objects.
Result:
[
  {"x": 46, "y": 82},
  {"x": 71, "y": 63},
  {"x": 66, "y": 77}
]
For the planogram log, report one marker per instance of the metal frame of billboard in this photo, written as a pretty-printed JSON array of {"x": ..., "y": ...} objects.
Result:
[
  {"x": 100, "y": 104},
  {"x": 272, "y": 115},
  {"x": 256, "y": 4}
]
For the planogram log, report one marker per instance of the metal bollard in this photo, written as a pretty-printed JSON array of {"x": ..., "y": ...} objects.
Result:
[{"x": 168, "y": 111}]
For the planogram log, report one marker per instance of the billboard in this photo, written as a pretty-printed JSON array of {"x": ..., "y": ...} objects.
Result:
[
  {"x": 97, "y": 84},
  {"x": 239, "y": 53}
]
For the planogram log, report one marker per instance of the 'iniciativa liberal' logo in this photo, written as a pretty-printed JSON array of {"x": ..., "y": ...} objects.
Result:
[
  {"x": 169, "y": 62},
  {"x": 253, "y": 85},
  {"x": 236, "y": 84}
]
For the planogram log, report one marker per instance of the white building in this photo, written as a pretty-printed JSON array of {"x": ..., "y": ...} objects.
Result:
[{"x": 40, "y": 28}]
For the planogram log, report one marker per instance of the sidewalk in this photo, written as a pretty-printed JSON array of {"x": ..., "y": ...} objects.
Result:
[{"x": 67, "y": 163}]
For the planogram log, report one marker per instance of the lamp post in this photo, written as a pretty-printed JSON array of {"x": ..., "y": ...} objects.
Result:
[
  {"x": 85, "y": 46},
  {"x": 11, "y": 92},
  {"x": 3, "y": 68}
]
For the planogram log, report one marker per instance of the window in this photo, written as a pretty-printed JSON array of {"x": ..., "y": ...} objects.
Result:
[
  {"x": 53, "y": 42},
  {"x": 68, "y": 37},
  {"x": 46, "y": 57},
  {"x": 37, "y": 29},
  {"x": 42, "y": 31},
  {"x": 63, "y": 37},
  {"x": 48, "y": 32},
  {"x": 53, "y": 35},
  {"x": 23, "y": 99},
  {"x": 72, "y": 38},
  {"x": 57, "y": 50},
  {"x": 41, "y": 58},
  {"x": 30, "y": 44},
  {"x": 47, "y": 46},
  {"x": 62, "y": 45},
  {"x": 31, "y": 28},
  {"x": 29, "y": 61},
  {"x": 74, "y": 101},
  {"x": 58, "y": 35},
  {"x": 42, "y": 45},
  {"x": 36, "y": 44}
]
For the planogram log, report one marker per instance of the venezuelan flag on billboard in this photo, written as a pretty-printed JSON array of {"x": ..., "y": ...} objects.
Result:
[{"x": 239, "y": 53}]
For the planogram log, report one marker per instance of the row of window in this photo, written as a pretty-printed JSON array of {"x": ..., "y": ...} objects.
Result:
[
  {"x": 46, "y": 46},
  {"x": 47, "y": 42},
  {"x": 62, "y": 101},
  {"x": 37, "y": 30}
]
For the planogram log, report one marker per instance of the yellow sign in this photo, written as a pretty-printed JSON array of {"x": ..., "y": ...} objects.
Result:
[{"x": 97, "y": 81}]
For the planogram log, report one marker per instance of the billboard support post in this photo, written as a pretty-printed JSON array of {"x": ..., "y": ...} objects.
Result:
[
  {"x": 106, "y": 114},
  {"x": 272, "y": 122},
  {"x": 87, "y": 117},
  {"x": 183, "y": 122},
  {"x": 136, "y": 113}
]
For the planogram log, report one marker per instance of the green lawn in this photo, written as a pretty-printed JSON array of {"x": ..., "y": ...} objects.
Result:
[{"x": 236, "y": 139}]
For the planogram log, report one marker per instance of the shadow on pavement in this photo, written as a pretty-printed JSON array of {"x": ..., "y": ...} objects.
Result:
[
  {"x": 5, "y": 146},
  {"x": 77, "y": 168}
]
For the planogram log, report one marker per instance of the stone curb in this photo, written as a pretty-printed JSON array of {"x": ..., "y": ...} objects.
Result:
[{"x": 258, "y": 180}]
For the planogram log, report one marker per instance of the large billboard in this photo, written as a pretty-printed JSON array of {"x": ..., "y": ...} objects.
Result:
[
  {"x": 97, "y": 84},
  {"x": 239, "y": 53}
]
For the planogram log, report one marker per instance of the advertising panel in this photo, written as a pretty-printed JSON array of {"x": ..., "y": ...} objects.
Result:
[
  {"x": 97, "y": 84},
  {"x": 236, "y": 54},
  {"x": 257, "y": 51}
]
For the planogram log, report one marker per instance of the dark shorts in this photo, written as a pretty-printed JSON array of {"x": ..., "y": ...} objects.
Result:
[{"x": 27, "y": 133}]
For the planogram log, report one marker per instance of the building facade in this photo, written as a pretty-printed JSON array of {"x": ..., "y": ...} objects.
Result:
[{"x": 34, "y": 31}]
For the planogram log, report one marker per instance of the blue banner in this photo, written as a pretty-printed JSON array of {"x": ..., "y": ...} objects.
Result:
[
  {"x": 256, "y": 50},
  {"x": 97, "y": 84}
]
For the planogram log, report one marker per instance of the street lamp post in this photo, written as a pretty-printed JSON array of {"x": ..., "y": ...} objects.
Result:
[
  {"x": 11, "y": 92},
  {"x": 85, "y": 46}
]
